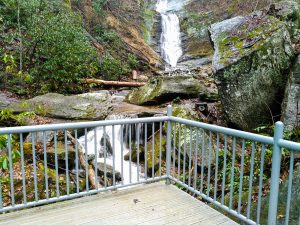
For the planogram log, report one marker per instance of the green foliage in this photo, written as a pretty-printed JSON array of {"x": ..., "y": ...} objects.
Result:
[
  {"x": 98, "y": 6},
  {"x": 7, "y": 115},
  {"x": 56, "y": 48},
  {"x": 112, "y": 68},
  {"x": 4, "y": 158},
  {"x": 132, "y": 61},
  {"x": 63, "y": 49}
]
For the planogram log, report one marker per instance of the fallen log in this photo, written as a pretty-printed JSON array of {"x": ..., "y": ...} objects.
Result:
[
  {"x": 113, "y": 83},
  {"x": 91, "y": 171}
]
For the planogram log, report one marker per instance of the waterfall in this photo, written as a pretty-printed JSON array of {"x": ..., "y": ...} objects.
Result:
[
  {"x": 119, "y": 143},
  {"x": 170, "y": 40}
]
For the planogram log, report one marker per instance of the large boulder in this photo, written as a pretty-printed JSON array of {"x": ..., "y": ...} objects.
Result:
[
  {"x": 160, "y": 89},
  {"x": 88, "y": 106},
  {"x": 251, "y": 56},
  {"x": 291, "y": 103}
]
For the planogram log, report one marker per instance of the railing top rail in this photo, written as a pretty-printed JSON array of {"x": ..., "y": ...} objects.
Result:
[
  {"x": 289, "y": 145},
  {"x": 227, "y": 131},
  {"x": 80, "y": 125}
]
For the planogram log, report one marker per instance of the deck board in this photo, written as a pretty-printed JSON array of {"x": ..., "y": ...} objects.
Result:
[{"x": 157, "y": 204}]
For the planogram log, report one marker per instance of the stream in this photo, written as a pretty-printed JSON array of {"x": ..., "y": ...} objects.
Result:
[{"x": 116, "y": 145}]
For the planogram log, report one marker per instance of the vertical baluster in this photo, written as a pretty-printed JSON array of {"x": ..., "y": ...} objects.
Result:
[
  {"x": 290, "y": 183},
  {"x": 138, "y": 152},
  {"x": 190, "y": 156},
  {"x": 174, "y": 151},
  {"x": 241, "y": 177},
  {"x": 34, "y": 168},
  {"x": 224, "y": 169},
  {"x": 114, "y": 157},
  {"x": 160, "y": 146},
  {"x": 146, "y": 151},
  {"x": 76, "y": 161},
  {"x": 179, "y": 151},
  {"x": 45, "y": 164},
  {"x": 105, "y": 154},
  {"x": 130, "y": 154},
  {"x": 217, "y": 166},
  {"x": 202, "y": 160},
  {"x": 209, "y": 159},
  {"x": 262, "y": 162},
  {"x": 250, "y": 181},
  {"x": 23, "y": 169},
  {"x": 56, "y": 164},
  {"x": 1, "y": 204},
  {"x": 96, "y": 155},
  {"x": 196, "y": 159},
  {"x": 184, "y": 154},
  {"x": 122, "y": 154},
  {"x": 67, "y": 162},
  {"x": 11, "y": 175},
  {"x": 232, "y": 172},
  {"x": 86, "y": 161},
  {"x": 153, "y": 142}
]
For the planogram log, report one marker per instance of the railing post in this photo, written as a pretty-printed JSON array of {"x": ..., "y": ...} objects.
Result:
[
  {"x": 275, "y": 176},
  {"x": 169, "y": 138}
]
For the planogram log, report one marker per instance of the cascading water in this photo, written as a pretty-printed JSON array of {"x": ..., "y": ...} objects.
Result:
[
  {"x": 170, "y": 40},
  {"x": 120, "y": 142}
]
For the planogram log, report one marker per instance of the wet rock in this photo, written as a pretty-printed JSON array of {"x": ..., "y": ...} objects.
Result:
[
  {"x": 39, "y": 137},
  {"x": 109, "y": 171},
  {"x": 161, "y": 89},
  {"x": 61, "y": 155},
  {"x": 291, "y": 102},
  {"x": 105, "y": 146},
  {"x": 88, "y": 106},
  {"x": 251, "y": 77}
]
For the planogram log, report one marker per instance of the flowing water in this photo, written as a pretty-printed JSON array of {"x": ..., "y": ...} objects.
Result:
[
  {"x": 121, "y": 148},
  {"x": 170, "y": 40}
]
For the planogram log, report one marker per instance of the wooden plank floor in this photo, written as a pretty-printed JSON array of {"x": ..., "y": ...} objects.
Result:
[{"x": 152, "y": 204}]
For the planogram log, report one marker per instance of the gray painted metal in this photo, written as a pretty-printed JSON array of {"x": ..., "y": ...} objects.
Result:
[{"x": 173, "y": 123}]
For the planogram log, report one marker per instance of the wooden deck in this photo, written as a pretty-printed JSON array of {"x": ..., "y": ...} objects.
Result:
[{"x": 155, "y": 203}]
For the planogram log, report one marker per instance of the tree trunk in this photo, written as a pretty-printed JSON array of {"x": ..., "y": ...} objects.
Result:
[{"x": 113, "y": 83}]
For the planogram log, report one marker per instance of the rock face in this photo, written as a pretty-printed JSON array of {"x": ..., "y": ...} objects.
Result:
[
  {"x": 165, "y": 88},
  {"x": 291, "y": 103},
  {"x": 6, "y": 99},
  {"x": 252, "y": 55},
  {"x": 89, "y": 106},
  {"x": 289, "y": 12}
]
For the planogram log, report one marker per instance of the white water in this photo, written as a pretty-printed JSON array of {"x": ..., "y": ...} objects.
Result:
[
  {"x": 170, "y": 40},
  {"x": 128, "y": 168}
]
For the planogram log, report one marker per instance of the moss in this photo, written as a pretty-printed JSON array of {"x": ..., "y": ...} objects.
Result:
[
  {"x": 149, "y": 91},
  {"x": 250, "y": 37},
  {"x": 147, "y": 26}
]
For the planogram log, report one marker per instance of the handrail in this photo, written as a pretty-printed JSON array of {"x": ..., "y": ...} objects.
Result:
[
  {"x": 225, "y": 130},
  {"x": 207, "y": 137},
  {"x": 80, "y": 125}
]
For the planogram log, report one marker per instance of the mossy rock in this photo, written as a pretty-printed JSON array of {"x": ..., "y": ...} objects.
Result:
[
  {"x": 88, "y": 106},
  {"x": 157, "y": 148},
  {"x": 162, "y": 89},
  {"x": 291, "y": 99},
  {"x": 250, "y": 63},
  {"x": 289, "y": 13}
]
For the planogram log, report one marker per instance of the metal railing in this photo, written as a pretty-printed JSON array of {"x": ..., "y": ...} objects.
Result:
[{"x": 233, "y": 170}]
